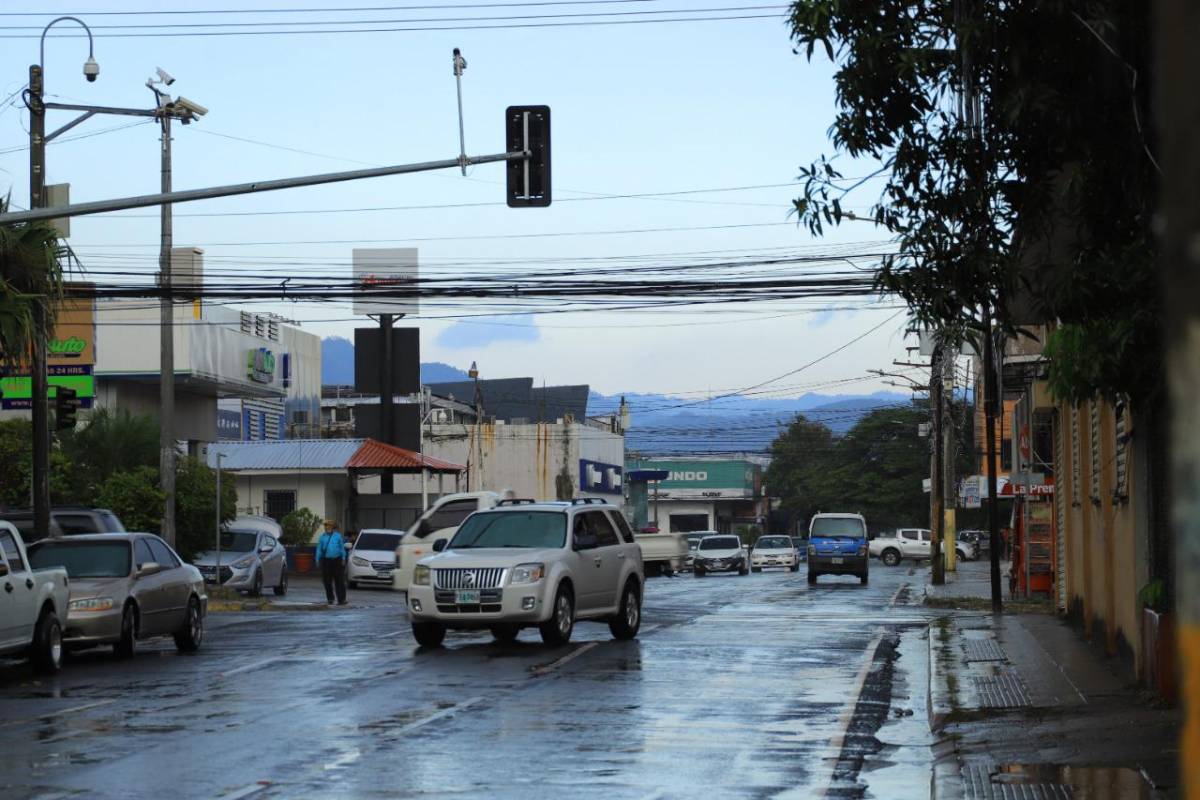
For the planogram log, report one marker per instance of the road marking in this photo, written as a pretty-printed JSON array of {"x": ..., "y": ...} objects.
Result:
[
  {"x": 649, "y": 628},
  {"x": 833, "y": 751},
  {"x": 896, "y": 596},
  {"x": 246, "y": 791},
  {"x": 249, "y": 667},
  {"x": 574, "y": 654},
  {"x": 445, "y": 712},
  {"x": 59, "y": 713}
]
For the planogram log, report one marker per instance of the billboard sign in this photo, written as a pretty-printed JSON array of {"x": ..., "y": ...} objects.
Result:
[
  {"x": 598, "y": 478},
  {"x": 70, "y": 356},
  {"x": 380, "y": 271}
]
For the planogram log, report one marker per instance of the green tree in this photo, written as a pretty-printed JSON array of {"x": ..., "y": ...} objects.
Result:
[
  {"x": 109, "y": 442},
  {"x": 16, "y": 462},
  {"x": 196, "y": 507},
  {"x": 134, "y": 496},
  {"x": 31, "y": 258},
  {"x": 299, "y": 527}
]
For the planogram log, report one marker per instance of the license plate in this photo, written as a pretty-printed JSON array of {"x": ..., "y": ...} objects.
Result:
[
  {"x": 469, "y": 597},
  {"x": 387, "y": 575},
  {"x": 837, "y": 560}
]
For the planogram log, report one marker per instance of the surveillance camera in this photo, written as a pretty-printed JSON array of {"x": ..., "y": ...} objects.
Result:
[
  {"x": 188, "y": 105},
  {"x": 164, "y": 76},
  {"x": 91, "y": 69}
]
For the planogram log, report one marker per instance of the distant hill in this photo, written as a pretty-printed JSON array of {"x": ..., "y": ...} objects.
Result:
[{"x": 337, "y": 365}]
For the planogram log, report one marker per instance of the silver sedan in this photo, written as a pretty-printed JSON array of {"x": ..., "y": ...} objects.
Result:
[{"x": 126, "y": 587}]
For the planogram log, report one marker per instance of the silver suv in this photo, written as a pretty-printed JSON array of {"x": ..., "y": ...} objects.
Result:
[{"x": 526, "y": 564}]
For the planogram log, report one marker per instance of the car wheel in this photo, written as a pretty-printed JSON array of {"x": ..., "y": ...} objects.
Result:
[
  {"x": 812, "y": 576},
  {"x": 795, "y": 567},
  {"x": 127, "y": 644},
  {"x": 191, "y": 635},
  {"x": 281, "y": 589},
  {"x": 428, "y": 634},
  {"x": 505, "y": 634},
  {"x": 962, "y": 556},
  {"x": 862, "y": 579},
  {"x": 256, "y": 589},
  {"x": 625, "y": 624},
  {"x": 557, "y": 629},
  {"x": 47, "y": 644},
  {"x": 698, "y": 572},
  {"x": 890, "y": 557}
]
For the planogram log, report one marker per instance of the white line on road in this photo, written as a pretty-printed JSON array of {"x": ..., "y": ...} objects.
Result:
[
  {"x": 574, "y": 654},
  {"x": 249, "y": 667},
  {"x": 445, "y": 712},
  {"x": 892, "y": 602},
  {"x": 58, "y": 713},
  {"x": 246, "y": 791},
  {"x": 833, "y": 751}
]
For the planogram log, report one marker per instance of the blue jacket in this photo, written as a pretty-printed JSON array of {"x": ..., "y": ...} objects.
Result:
[{"x": 331, "y": 545}]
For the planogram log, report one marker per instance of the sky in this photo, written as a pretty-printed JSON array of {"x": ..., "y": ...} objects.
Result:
[{"x": 636, "y": 108}]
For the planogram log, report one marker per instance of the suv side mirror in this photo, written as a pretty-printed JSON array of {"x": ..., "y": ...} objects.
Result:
[
  {"x": 266, "y": 548},
  {"x": 439, "y": 545}
]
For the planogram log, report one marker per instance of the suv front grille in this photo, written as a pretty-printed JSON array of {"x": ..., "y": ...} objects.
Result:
[{"x": 486, "y": 578}]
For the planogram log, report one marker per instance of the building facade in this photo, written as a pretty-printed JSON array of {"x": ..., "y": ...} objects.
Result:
[{"x": 705, "y": 494}]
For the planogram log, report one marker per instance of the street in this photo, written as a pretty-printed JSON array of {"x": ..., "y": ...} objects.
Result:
[{"x": 755, "y": 686}]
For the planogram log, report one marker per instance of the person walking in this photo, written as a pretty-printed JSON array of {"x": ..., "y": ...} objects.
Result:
[{"x": 331, "y": 557}]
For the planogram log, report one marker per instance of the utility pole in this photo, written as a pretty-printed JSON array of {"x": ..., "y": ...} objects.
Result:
[
  {"x": 39, "y": 381},
  {"x": 950, "y": 490},
  {"x": 936, "y": 498},
  {"x": 992, "y": 396},
  {"x": 166, "y": 438},
  {"x": 1178, "y": 59},
  {"x": 386, "y": 396}
]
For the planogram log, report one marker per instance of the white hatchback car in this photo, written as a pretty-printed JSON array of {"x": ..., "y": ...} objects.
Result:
[{"x": 524, "y": 564}]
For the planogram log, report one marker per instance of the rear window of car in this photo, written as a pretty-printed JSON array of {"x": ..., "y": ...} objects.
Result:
[
  {"x": 377, "y": 541},
  {"x": 720, "y": 543},
  {"x": 838, "y": 528},
  {"x": 82, "y": 559}
]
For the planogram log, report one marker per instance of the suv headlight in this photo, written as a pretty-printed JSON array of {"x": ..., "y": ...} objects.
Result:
[
  {"x": 421, "y": 575},
  {"x": 359, "y": 562},
  {"x": 91, "y": 604},
  {"x": 527, "y": 573}
]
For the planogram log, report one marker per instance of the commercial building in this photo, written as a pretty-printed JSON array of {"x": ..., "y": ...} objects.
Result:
[{"x": 705, "y": 494}]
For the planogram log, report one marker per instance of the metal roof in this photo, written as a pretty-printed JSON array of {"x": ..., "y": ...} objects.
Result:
[
  {"x": 284, "y": 454},
  {"x": 377, "y": 455}
]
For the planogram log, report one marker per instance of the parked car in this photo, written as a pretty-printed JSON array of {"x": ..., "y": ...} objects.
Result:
[
  {"x": 544, "y": 565},
  {"x": 126, "y": 587},
  {"x": 373, "y": 557},
  {"x": 801, "y": 545},
  {"x": 33, "y": 604},
  {"x": 837, "y": 545},
  {"x": 693, "y": 540},
  {"x": 66, "y": 521},
  {"x": 916, "y": 544},
  {"x": 664, "y": 553},
  {"x": 439, "y": 523},
  {"x": 251, "y": 557},
  {"x": 774, "y": 551},
  {"x": 721, "y": 553},
  {"x": 981, "y": 539}
]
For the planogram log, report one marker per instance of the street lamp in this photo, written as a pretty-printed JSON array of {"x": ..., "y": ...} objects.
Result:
[{"x": 39, "y": 389}]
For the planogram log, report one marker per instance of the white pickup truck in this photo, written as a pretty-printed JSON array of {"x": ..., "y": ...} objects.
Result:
[
  {"x": 664, "y": 553},
  {"x": 33, "y": 605},
  {"x": 892, "y": 547}
]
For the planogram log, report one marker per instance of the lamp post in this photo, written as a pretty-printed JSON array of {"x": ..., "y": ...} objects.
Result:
[
  {"x": 218, "y": 572},
  {"x": 39, "y": 388}
]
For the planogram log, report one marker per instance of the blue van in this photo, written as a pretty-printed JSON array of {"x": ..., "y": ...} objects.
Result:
[{"x": 837, "y": 545}]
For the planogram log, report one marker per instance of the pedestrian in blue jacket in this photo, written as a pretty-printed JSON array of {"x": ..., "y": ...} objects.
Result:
[{"x": 331, "y": 556}]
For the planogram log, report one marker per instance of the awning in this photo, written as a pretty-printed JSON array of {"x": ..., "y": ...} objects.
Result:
[{"x": 375, "y": 455}]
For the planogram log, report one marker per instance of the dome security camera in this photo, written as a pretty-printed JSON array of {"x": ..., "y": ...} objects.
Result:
[{"x": 91, "y": 69}]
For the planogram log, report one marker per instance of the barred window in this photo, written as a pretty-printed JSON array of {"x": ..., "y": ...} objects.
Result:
[
  {"x": 1094, "y": 448},
  {"x": 1121, "y": 451},
  {"x": 1076, "y": 457}
]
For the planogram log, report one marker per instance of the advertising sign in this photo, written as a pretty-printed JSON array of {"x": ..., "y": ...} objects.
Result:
[
  {"x": 377, "y": 271},
  {"x": 698, "y": 479},
  {"x": 260, "y": 365},
  {"x": 599, "y": 478},
  {"x": 70, "y": 357}
]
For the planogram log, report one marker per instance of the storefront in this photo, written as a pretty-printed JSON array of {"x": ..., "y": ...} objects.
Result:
[{"x": 716, "y": 494}]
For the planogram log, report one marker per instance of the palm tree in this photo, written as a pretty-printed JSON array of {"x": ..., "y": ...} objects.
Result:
[{"x": 31, "y": 285}]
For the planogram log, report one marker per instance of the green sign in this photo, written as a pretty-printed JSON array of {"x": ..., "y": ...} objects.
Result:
[
  {"x": 17, "y": 390},
  {"x": 701, "y": 474}
]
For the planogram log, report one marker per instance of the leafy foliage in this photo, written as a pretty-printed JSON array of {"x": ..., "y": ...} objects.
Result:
[
  {"x": 134, "y": 496},
  {"x": 108, "y": 443},
  {"x": 31, "y": 258},
  {"x": 299, "y": 527},
  {"x": 195, "y": 505},
  {"x": 1039, "y": 204},
  {"x": 16, "y": 462}
]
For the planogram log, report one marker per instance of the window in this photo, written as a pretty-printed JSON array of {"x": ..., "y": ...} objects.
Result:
[
  {"x": 910, "y": 535},
  {"x": 1076, "y": 458},
  {"x": 269, "y": 541},
  {"x": 926, "y": 537},
  {"x": 623, "y": 526},
  {"x": 279, "y": 503},
  {"x": 1121, "y": 451},
  {"x": 82, "y": 559},
  {"x": 1094, "y": 449},
  {"x": 162, "y": 554},
  {"x": 111, "y": 523},
  {"x": 601, "y": 528},
  {"x": 141, "y": 553},
  {"x": 9, "y": 544},
  {"x": 452, "y": 514},
  {"x": 73, "y": 524}
]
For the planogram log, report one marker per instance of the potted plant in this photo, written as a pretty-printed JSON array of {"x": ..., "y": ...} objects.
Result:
[
  {"x": 298, "y": 529},
  {"x": 1158, "y": 639}
]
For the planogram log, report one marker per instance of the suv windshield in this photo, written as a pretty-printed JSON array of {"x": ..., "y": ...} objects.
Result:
[
  {"x": 512, "y": 529},
  {"x": 838, "y": 528},
  {"x": 721, "y": 543},
  {"x": 238, "y": 541},
  {"x": 82, "y": 559},
  {"x": 773, "y": 543},
  {"x": 377, "y": 541}
]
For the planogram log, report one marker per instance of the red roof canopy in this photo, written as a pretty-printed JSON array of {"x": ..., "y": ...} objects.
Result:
[{"x": 377, "y": 455}]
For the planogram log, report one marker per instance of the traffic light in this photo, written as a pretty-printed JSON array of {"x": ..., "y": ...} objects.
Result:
[
  {"x": 66, "y": 403},
  {"x": 528, "y": 128}
]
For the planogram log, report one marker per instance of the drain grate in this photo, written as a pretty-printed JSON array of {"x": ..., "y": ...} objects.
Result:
[
  {"x": 979, "y": 785},
  {"x": 1005, "y": 690},
  {"x": 984, "y": 650}
]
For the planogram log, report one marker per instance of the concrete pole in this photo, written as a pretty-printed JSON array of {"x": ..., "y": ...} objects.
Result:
[
  {"x": 992, "y": 396},
  {"x": 166, "y": 443},
  {"x": 39, "y": 395},
  {"x": 937, "y": 499},
  {"x": 1178, "y": 30}
]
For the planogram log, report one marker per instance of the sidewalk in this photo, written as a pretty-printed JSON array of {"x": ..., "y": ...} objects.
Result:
[{"x": 1025, "y": 708}]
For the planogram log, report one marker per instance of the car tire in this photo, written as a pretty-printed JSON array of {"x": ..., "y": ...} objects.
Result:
[
  {"x": 47, "y": 653},
  {"x": 256, "y": 589},
  {"x": 812, "y": 576},
  {"x": 126, "y": 646},
  {"x": 890, "y": 557},
  {"x": 961, "y": 555},
  {"x": 429, "y": 634},
  {"x": 189, "y": 638},
  {"x": 281, "y": 589},
  {"x": 505, "y": 634},
  {"x": 624, "y": 626},
  {"x": 698, "y": 572},
  {"x": 862, "y": 579},
  {"x": 795, "y": 567},
  {"x": 557, "y": 629}
]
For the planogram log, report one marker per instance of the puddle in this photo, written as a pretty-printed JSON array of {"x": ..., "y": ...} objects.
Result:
[{"x": 1087, "y": 783}]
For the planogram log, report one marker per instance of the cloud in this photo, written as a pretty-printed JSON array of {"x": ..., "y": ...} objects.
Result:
[{"x": 483, "y": 331}]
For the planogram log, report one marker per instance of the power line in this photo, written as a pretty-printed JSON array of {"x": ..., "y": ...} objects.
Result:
[{"x": 320, "y": 10}]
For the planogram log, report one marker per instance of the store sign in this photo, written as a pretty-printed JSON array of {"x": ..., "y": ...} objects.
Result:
[
  {"x": 229, "y": 424},
  {"x": 732, "y": 478},
  {"x": 381, "y": 276},
  {"x": 600, "y": 478},
  {"x": 70, "y": 356},
  {"x": 260, "y": 365}
]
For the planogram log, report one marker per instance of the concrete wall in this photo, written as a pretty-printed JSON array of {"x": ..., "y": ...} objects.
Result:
[{"x": 325, "y": 494}]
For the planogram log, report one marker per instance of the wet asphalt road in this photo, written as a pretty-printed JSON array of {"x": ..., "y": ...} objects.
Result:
[{"x": 756, "y": 686}]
